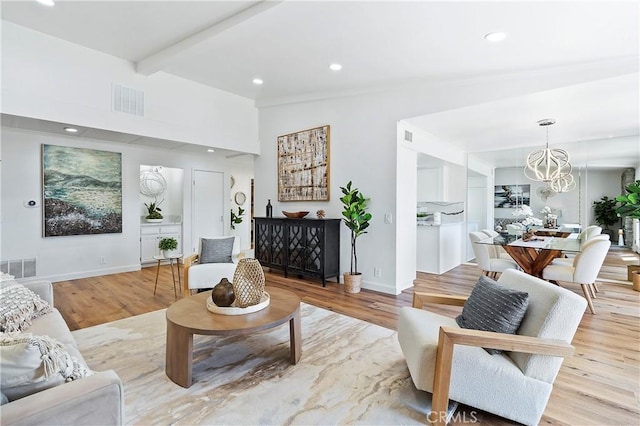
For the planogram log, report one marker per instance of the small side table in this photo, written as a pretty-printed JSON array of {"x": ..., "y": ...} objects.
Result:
[{"x": 171, "y": 258}]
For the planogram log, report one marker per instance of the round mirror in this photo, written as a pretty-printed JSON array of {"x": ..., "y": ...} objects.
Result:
[{"x": 240, "y": 198}]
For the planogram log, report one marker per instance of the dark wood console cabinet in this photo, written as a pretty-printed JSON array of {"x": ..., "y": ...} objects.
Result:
[{"x": 303, "y": 247}]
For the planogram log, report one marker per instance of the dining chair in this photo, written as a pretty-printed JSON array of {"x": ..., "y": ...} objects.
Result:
[
  {"x": 583, "y": 270},
  {"x": 499, "y": 251},
  {"x": 491, "y": 266},
  {"x": 590, "y": 232}
]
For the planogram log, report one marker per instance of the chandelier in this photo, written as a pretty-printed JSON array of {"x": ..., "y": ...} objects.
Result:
[
  {"x": 548, "y": 165},
  {"x": 563, "y": 184}
]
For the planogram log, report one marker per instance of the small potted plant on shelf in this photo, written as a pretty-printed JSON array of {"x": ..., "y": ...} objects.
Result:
[
  {"x": 168, "y": 246},
  {"x": 153, "y": 211},
  {"x": 630, "y": 207},
  {"x": 356, "y": 218}
]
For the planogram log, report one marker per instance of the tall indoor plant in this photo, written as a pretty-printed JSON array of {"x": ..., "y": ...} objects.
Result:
[
  {"x": 630, "y": 207},
  {"x": 605, "y": 212},
  {"x": 356, "y": 218}
]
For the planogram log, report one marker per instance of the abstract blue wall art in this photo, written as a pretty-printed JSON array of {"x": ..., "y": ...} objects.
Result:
[{"x": 82, "y": 191}]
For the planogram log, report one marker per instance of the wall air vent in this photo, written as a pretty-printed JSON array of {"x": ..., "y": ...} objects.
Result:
[
  {"x": 127, "y": 100},
  {"x": 408, "y": 136}
]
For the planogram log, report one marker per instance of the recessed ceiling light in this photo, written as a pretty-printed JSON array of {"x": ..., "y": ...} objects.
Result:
[
  {"x": 335, "y": 67},
  {"x": 71, "y": 129},
  {"x": 257, "y": 81},
  {"x": 211, "y": 150},
  {"x": 46, "y": 2},
  {"x": 495, "y": 37}
]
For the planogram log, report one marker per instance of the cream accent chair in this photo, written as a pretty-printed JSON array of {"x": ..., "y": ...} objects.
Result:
[
  {"x": 583, "y": 270},
  {"x": 449, "y": 361},
  {"x": 207, "y": 275},
  {"x": 485, "y": 256}
]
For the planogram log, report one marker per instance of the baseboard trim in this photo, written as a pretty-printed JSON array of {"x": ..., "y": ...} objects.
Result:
[{"x": 87, "y": 274}]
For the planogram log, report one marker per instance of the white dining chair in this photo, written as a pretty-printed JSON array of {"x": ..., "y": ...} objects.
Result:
[
  {"x": 498, "y": 251},
  {"x": 590, "y": 232},
  {"x": 583, "y": 270},
  {"x": 491, "y": 266}
]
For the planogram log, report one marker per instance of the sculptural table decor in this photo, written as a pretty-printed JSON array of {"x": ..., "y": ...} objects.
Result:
[{"x": 248, "y": 283}]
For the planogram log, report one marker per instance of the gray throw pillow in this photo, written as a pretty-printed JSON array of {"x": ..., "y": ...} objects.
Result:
[
  {"x": 216, "y": 250},
  {"x": 492, "y": 307}
]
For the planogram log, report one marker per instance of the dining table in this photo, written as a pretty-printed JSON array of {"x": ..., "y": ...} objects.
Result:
[{"x": 534, "y": 254}]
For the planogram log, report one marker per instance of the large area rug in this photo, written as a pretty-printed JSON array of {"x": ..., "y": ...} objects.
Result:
[{"x": 351, "y": 372}]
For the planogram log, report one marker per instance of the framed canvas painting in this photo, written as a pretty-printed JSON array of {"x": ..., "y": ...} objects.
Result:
[
  {"x": 303, "y": 165},
  {"x": 82, "y": 191},
  {"x": 511, "y": 196}
]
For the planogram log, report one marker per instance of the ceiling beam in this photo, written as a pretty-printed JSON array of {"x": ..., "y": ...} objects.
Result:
[{"x": 161, "y": 59}]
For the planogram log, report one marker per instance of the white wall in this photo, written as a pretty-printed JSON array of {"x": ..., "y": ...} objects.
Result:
[
  {"x": 364, "y": 144},
  {"x": 242, "y": 171},
  {"x": 61, "y": 258},
  {"x": 599, "y": 184},
  {"x": 48, "y": 78}
]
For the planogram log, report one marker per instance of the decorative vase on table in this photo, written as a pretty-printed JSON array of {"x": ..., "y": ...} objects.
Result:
[
  {"x": 222, "y": 294},
  {"x": 248, "y": 282},
  {"x": 269, "y": 211}
]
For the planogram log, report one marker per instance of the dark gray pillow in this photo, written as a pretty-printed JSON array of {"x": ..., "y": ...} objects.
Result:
[
  {"x": 216, "y": 250},
  {"x": 492, "y": 307}
]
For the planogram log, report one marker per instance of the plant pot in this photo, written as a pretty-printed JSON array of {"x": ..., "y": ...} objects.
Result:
[
  {"x": 630, "y": 270},
  {"x": 352, "y": 283},
  {"x": 636, "y": 280},
  {"x": 168, "y": 253}
]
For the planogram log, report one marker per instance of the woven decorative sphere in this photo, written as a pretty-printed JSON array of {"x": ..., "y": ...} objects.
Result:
[
  {"x": 222, "y": 294},
  {"x": 248, "y": 283}
]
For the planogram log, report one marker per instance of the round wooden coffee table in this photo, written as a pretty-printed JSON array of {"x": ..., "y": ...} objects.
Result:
[{"x": 190, "y": 316}]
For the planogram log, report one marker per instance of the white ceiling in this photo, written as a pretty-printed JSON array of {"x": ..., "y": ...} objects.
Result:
[{"x": 289, "y": 44}]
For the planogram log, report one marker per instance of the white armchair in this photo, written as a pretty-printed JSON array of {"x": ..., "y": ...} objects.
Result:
[
  {"x": 450, "y": 362},
  {"x": 199, "y": 275}
]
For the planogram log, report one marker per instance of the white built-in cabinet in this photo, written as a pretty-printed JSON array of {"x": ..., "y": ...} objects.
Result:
[
  {"x": 439, "y": 247},
  {"x": 150, "y": 235}
]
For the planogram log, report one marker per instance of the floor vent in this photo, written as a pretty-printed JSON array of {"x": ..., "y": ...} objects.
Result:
[
  {"x": 19, "y": 268},
  {"x": 128, "y": 100}
]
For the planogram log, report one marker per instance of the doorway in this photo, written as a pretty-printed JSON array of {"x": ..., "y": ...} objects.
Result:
[{"x": 208, "y": 206}]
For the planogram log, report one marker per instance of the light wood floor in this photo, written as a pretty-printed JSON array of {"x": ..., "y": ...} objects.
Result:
[{"x": 599, "y": 385}]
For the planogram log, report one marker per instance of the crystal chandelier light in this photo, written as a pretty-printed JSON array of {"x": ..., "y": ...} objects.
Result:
[{"x": 548, "y": 165}]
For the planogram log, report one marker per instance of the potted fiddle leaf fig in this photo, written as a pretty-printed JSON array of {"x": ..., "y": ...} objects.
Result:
[
  {"x": 356, "y": 217},
  {"x": 630, "y": 207},
  {"x": 606, "y": 215},
  {"x": 630, "y": 201},
  {"x": 236, "y": 219}
]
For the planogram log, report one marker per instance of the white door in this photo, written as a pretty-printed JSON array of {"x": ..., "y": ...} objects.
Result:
[{"x": 208, "y": 206}]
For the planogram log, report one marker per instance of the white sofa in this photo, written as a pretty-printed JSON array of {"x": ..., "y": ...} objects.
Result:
[{"x": 94, "y": 400}]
